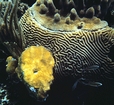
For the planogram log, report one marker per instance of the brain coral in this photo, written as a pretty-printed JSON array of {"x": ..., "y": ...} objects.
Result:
[
  {"x": 71, "y": 30},
  {"x": 74, "y": 42}
]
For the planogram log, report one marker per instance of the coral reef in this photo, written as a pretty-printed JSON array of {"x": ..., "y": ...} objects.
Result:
[{"x": 70, "y": 32}]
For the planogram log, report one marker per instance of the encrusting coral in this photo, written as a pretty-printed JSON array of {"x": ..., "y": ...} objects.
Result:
[
  {"x": 11, "y": 65},
  {"x": 70, "y": 32},
  {"x": 36, "y": 67}
]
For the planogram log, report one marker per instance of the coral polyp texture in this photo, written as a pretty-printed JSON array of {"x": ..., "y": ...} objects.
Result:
[
  {"x": 70, "y": 34},
  {"x": 75, "y": 42},
  {"x": 36, "y": 67}
]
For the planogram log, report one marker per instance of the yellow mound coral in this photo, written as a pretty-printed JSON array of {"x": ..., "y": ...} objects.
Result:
[
  {"x": 11, "y": 64},
  {"x": 36, "y": 65}
]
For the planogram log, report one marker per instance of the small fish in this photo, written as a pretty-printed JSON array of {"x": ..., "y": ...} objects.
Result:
[
  {"x": 93, "y": 84},
  {"x": 86, "y": 81},
  {"x": 76, "y": 83},
  {"x": 92, "y": 67}
]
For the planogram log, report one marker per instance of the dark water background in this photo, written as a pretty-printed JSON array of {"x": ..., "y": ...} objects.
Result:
[{"x": 61, "y": 91}]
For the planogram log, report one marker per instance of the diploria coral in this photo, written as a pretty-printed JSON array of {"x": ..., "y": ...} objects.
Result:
[
  {"x": 71, "y": 32},
  {"x": 76, "y": 42}
]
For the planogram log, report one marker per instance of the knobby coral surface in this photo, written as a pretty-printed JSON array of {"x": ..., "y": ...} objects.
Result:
[{"x": 71, "y": 30}]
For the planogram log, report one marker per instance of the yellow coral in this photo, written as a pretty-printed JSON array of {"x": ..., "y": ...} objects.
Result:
[
  {"x": 36, "y": 64},
  {"x": 11, "y": 64}
]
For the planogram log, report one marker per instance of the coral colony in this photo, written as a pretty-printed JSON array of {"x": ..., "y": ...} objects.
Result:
[{"x": 54, "y": 39}]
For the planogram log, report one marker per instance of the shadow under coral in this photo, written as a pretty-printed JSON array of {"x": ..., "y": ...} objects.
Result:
[{"x": 60, "y": 93}]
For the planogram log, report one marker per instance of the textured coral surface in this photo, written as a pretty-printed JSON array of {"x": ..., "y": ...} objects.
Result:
[
  {"x": 36, "y": 65},
  {"x": 74, "y": 34},
  {"x": 11, "y": 64}
]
